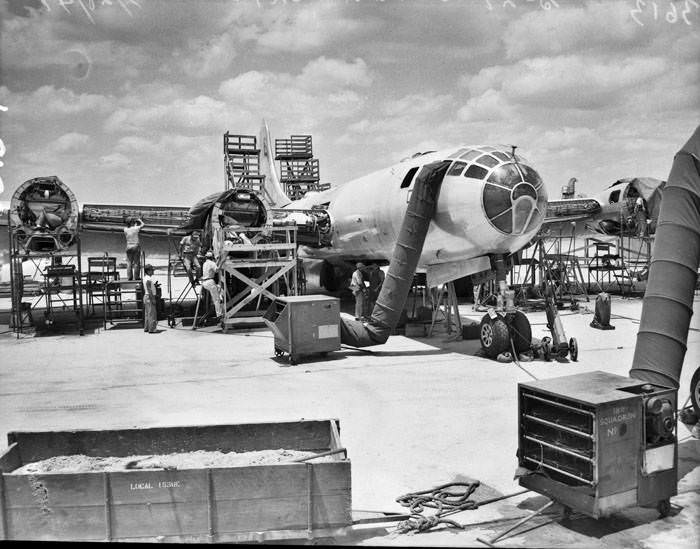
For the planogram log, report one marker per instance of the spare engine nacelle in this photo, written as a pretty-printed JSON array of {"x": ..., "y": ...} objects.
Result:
[{"x": 44, "y": 216}]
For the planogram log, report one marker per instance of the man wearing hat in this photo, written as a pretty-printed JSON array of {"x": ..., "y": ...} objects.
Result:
[
  {"x": 150, "y": 307},
  {"x": 357, "y": 286},
  {"x": 209, "y": 270}
]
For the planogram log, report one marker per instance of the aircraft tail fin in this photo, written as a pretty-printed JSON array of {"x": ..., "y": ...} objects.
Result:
[{"x": 272, "y": 188}]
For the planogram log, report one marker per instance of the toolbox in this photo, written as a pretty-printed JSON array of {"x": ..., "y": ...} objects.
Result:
[
  {"x": 290, "y": 500},
  {"x": 597, "y": 442}
]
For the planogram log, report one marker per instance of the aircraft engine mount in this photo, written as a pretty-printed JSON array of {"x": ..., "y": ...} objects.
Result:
[
  {"x": 242, "y": 208},
  {"x": 44, "y": 215}
]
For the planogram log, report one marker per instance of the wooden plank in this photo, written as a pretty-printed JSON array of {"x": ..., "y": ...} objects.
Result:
[
  {"x": 335, "y": 436},
  {"x": 77, "y": 523},
  {"x": 10, "y": 459},
  {"x": 52, "y": 491},
  {"x": 295, "y": 435},
  {"x": 259, "y": 482},
  {"x": 158, "y": 486},
  {"x": 159, "y": 519},
  {"x": 255, "y": 515},
  {"x": 159, "y": 502},
  {"x": 3, "y": 509},
  {"x": 60, "y": 507}
]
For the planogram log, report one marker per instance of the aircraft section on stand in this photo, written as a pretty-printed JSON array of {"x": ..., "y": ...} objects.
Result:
[{"x": 44, "y": 229}]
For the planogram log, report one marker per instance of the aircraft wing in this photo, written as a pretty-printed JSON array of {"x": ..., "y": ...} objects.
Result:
[
  {"x": 567, "y": 210},
  {"x": 158, "y": 220}
]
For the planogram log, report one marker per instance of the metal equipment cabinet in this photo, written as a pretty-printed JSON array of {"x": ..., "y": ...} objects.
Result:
[
  {"x": 304, "y": 325},
  {"x": 286, "y": 500},
  {"x": 597, "y": 442}
]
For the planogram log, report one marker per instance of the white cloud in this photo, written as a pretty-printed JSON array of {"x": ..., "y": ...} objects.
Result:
[
  {"x": 49, "y": 102},
  {"x": 326, "y": 73},
  {"x": 69, "y": 142},
  {"x": 303, "y": 27},
  {"x": 491, "y": 105},
  {"x": 417, "y": 104},
  {"x": 569, "y": 81},
  {"x": 198, "y": 113},
  {"x": 324, "y": 89},
  {"x": 595, "y": 26},
  {"x": 114, "y": 161},
  {"x": 209, "y": 58}
]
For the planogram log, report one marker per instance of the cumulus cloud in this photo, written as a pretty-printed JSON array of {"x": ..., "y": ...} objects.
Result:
[
  {"x": 595, "y": 26},
  {"x": 114, "y": 161},
  {"x": 324, "y": 89},
  {"x": 210, "y": 57},
  {"x": 69, "y": 142},
  {"x": 303, "y": 27},
  {"x": 49, "y": 102},
  {"x": 197, "y": 113},
  {"x": 568, "y": 81}
]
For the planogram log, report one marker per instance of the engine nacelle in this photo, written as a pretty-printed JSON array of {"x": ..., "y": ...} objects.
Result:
[{"x": 44, "y": 216}]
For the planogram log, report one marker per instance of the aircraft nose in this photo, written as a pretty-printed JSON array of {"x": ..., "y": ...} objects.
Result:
[{"x": 514, "y": 198}]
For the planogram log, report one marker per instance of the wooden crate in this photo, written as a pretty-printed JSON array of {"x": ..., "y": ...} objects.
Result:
[{"x": 221, "y": 504}]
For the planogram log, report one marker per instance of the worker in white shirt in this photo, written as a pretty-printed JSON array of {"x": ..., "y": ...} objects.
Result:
[{"x": 209, "y": 270}]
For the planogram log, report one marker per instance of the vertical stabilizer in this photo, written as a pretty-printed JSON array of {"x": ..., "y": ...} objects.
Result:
[{"x": 272, "y": 188}]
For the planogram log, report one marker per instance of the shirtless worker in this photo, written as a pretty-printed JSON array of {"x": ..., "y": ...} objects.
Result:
[{"x": 133, "y": 248}]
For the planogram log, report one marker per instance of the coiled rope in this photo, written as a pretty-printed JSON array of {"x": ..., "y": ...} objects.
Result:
[{"x": 447, "y": 499}]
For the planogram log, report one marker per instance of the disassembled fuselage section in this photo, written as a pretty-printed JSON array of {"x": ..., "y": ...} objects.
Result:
[
  {"x": 241, "y": 209},
  {"x": 44, "y": 216}
]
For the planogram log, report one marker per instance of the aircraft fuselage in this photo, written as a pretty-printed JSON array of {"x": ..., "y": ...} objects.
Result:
[{"x": 488, "y": 204}]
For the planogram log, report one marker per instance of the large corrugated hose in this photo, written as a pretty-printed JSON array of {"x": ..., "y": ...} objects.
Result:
[
  {"x": 668, "y": 300},
  {"x": 407, "y": 251}
]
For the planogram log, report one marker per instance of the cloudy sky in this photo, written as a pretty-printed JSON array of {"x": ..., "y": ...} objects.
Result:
[{"x": 127, "y": 100}]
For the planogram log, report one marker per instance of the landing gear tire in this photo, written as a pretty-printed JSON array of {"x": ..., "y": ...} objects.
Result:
[
  {"x": 494, "y": 336},
  {"x": 573, "y": 349},
  {"x": 695, "y": 391},
  {"x": 293, "y": 360},
  {"x": 664, "y": 507},
  {"x": 522, "y": 332}
]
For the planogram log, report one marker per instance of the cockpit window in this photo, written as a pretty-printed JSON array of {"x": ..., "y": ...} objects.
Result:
[
  {"x": 530, "y": 175},
  {"x": 504, "y": 175},
  {"x": 456, "y": 168},
  {"x": 471, "y": 155},
  {"x": 614, "y": 196},
  {"x": 457, "y": 153},
  {"x": 409, "y": 177},
  {"x": 488, "y": 161},
  {"x": 476, "y": 172},
  {"x": 503, "y": 156}
]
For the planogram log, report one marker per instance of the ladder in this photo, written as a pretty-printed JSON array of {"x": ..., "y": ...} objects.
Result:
[{"x": 242, "y": 162}]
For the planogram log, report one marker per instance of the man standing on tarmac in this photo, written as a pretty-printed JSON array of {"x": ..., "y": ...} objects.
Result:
[
  {"x": 188, "y": 251},
  {"x": 209, "y": 270},
  {"x": 133, "y": 248},
  {"x": 150, "y": 305},
  {"x": 376, "y": 280},
  {"x": 357, "y": 286}
]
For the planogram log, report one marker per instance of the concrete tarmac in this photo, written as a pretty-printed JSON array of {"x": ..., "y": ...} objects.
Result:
[{"x": 414, "y": 413}]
